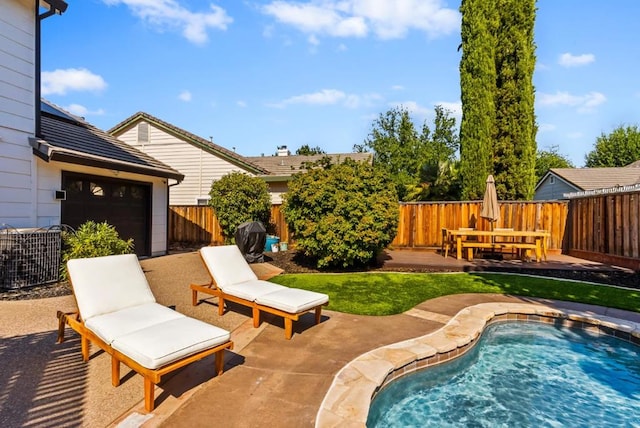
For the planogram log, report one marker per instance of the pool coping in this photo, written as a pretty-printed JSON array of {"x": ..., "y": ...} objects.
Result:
[{"x": 347, "y": 402}]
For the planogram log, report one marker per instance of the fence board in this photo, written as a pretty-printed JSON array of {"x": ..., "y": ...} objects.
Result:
[
  {"x": 420, "y": 224},
  {"x": 606, "y": 228}
]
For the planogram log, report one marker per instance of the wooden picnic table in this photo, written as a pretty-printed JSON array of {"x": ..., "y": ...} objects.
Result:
[{"x": 517, "y": 239}]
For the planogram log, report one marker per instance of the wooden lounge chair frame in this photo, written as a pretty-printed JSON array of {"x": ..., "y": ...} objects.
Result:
[
  {"x": 212, "y": 289},
  {"x": 151, "y": 376}
]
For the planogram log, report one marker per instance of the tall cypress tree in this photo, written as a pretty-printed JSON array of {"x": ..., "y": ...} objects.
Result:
[
  {"x": 497, "y": 133},
  {"x": 477, "y": 83},
  {"x": 514, "y": 145}
]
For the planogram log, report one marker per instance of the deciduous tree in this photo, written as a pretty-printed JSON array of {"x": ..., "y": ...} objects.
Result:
[
  {"x": 547, "y": 159},
  {"x": 422, "y": 165},
  {"x": 619, "y": 148}
]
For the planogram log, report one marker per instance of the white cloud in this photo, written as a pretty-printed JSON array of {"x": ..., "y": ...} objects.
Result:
[
  {"x": 323, "y": 97},
  {"x": 169, "y": 14},
  {"x": 397, "y": 88},
  {"x": 570, "y": 60},
  {"x": 185, "y": 96},
  {"x": 82, "y": 111},
  {"x": 59, "y": 82},
  {"x": 387, "y": 19},
  {"x": 584, "y": 103},
  {"x": 241, "y": 103},
  {"x": 330, "y": 97},
  {"x": 413, "y": 107},
  {"x": 546, "y": 127},
  {"x": 454, "y": 107}
]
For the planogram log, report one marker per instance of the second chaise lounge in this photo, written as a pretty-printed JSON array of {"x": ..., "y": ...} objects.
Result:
[{"x": 234, "y": 280}]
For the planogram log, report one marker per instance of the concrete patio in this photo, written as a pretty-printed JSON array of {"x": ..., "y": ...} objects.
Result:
[{"x": 268, "y": 380}]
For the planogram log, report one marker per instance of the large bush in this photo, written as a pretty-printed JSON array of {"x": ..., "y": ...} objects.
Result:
[
  {"x": 342, "y": 215},
  {"x": 237, "y": 198},
  {"x": 92, "y": 239}
]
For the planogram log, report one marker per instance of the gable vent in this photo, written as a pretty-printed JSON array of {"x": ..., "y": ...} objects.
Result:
[{"x": 143, "y": 132}]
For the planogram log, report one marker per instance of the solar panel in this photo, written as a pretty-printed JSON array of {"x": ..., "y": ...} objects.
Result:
[{"x": 56, "y": 111}]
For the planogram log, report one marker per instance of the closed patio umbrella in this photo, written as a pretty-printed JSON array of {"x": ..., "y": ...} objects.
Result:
[{"x": 490, "y": 208}]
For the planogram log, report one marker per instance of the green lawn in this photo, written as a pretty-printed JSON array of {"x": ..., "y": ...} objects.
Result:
[{"x": 393, "y": 293}]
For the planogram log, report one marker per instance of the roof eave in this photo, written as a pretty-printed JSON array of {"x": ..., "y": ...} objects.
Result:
[
  {"x": 49, "y": 153},
  {"x": 275, "y": 178},
  {"x": 129, "y": 123}
]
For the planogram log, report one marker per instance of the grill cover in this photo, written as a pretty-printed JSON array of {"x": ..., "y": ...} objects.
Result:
[{"x": 251, "y": 237}]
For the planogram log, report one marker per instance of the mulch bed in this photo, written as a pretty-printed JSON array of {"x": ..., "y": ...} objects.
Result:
[{"x": 293, "y": 262}]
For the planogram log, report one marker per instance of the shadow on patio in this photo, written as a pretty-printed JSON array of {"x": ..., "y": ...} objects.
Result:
[{"x": 41, "y": 383}]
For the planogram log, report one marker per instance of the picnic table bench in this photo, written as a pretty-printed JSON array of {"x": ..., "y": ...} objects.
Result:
[{"x": 515, "y": 239}]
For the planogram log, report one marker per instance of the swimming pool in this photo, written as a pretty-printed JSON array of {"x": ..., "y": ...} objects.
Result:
[{"x": 521, "y": 374}]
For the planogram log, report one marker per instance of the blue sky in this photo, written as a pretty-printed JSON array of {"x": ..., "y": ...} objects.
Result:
[{"x": 255, "y": 75}]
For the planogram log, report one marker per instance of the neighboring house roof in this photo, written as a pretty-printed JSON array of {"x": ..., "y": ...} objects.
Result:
[
  {"x": 285, "y": 166},
  {"x": 596, "y": 178},
  {"x": 69, "y": 138},
  {"x": 190, "y": 138}
]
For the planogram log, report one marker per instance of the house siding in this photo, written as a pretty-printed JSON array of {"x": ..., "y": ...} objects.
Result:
[
  {"x": 199, "y": 167},
  {"x": 276, "y": 190},
  {"x": 17, "y": 117},
  {"x": 547, "y": 191}
]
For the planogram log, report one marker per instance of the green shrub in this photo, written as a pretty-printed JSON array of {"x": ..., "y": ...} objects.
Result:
[
  {"x": 343, "y": 215},
  {"x": 237, "y": 198},
  {"x": 92, "y": 239}
]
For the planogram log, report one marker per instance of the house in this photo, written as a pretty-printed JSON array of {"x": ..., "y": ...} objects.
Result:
[
  {"x": 557, "y": 183},
  {"x": 283, "y": 166},
  {"x": 56, "y": 168},
  {"x": 202, "y": 161}
]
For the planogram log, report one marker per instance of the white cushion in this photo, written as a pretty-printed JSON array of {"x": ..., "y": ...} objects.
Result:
[
  {"x": 114, "y": 324},
  {"x": 158, "y": 345},
  {"x": 251, "y": 290},
  {"x": 293, "y": 300},
  {"x": 108, "y": 284},
  {"x": 227, "y": 265}
]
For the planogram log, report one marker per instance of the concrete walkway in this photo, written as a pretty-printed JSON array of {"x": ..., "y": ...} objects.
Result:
[{"x": 268, "y": 381}]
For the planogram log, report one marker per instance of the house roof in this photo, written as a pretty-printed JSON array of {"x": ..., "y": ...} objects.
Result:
[
  {"x": 285, "y": 166},
  {"x": 190, "y": 138},
  {"x": 597, "y": 178},
  {"x": 69, "y": 138}
]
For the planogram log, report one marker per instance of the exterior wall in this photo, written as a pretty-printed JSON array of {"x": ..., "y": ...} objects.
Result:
[
  {"x": 276, "y": 190},
  {"x": 548, "y": 191},
  {"x": 17, "y": 113},
  {"x": 200, "y": 168},
  {"x": 50, "y": 179}
]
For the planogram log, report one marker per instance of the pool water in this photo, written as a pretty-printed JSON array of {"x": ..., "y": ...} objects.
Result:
[{"x": 521, "y": 375}]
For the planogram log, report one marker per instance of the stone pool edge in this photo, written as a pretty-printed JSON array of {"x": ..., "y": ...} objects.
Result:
[{"x": 347, "y": 402}]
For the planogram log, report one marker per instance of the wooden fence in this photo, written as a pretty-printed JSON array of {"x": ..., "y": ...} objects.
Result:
[
  {"x": 420, "y": 225},
  {"x": 606, "y": 228},
  {"x": 603, "y": 228},
  {"x": 198, "y": 224}
]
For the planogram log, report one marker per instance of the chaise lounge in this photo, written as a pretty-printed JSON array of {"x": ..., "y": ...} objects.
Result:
[
  {"x": 118, "y": 312},
  {"x": 233, "y": 279}
]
